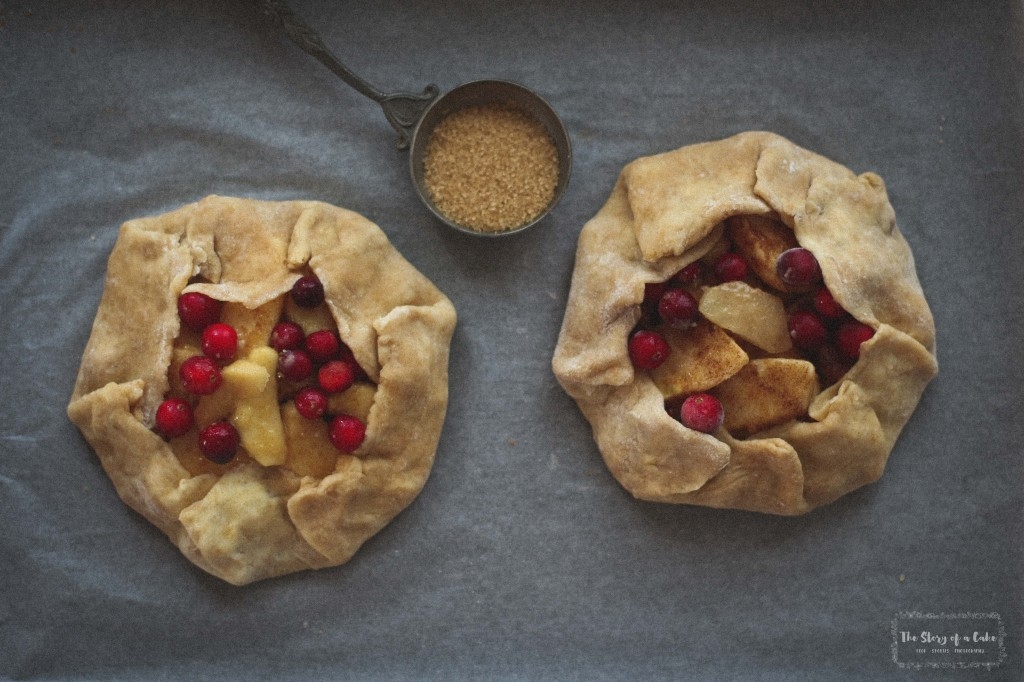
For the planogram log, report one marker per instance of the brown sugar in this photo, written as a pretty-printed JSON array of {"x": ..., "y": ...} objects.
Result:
[{"x": 490, "y": 168}]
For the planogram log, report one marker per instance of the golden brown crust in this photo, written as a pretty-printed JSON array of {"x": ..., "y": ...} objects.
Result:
[
  {"x": 665, "y": 212},
  {"x": 255, "y": 522}
]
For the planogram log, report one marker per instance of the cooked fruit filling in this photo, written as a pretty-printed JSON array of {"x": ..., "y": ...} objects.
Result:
[
  {"x": 745, "y": 337},
  {"x": 275, "y": 385}
]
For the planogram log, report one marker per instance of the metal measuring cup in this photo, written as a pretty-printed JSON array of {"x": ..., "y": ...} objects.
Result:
[{"x": 414, "y": 116}]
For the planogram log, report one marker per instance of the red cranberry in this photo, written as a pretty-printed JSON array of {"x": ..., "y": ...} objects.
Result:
[
  {"x": 219, "y": 442},
  {"x": 294, "y": 365},
  {"x": 702, "y": 412},
  {"x": 731, "y": 267},
  {"x": 323, "y": 345},
  {"x": 678, "y": 308},
  {"x": 286, "y": 335},
  {"x": 336, "y": 376},
  {"x": 807, "y": 330},
  {"x": 798, "y": 267},
  {"x": 200, "y": 375},
  {"x": 174, "y": 418},
  {"x": 198, "y": 310},
  {"x": 308, "y": 292},
  {"x": 826, "y": 305},
  {"x": 648, "y": 349},
  {"x": 311, "y": 403},
  {"x": 220, "y": 341},
  {"x": 347, "y": 433},
  {"x": 689, "y": 275},
  {"x": 850, "y": 335}
]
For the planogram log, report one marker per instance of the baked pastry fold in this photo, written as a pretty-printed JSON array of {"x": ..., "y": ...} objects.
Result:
[
  {"x": 254, "y": 522},
  {"x": 667, "y": 211}
]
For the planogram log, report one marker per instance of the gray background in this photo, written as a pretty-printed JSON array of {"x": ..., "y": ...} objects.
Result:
[{"x": 522, "y": 558}]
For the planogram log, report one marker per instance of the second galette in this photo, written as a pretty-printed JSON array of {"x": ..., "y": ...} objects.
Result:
[{"x": 745, "y": 327}]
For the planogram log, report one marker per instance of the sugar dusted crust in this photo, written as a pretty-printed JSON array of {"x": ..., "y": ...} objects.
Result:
[
  {"x": 667, "y": 211},
  {"x": 258, "y": 522}
]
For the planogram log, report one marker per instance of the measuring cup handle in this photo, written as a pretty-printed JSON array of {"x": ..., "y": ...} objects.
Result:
[{"x": 403, "y": 110}]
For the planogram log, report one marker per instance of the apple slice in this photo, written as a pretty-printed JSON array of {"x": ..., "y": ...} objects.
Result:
[
  {"x": 355, "y": 401},
  {"x": 752, "y": 314},
  {"x": 242, "y": 379},
  {"x": 216, "y": 406},
  {"x": 186, "y": 449},
  {"x": 760, "y": 239},
  {"x": 701, "y": 357},
  {"x": 310, "y": 452},
  {"x": 256, "y": 415},
  {"x": 252, "y": 325},
  {"x": 310, "y": 319},
  {"x": 766, "y": 393}
]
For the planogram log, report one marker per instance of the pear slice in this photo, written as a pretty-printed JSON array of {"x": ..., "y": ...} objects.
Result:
[
  {"x": 766, "y": 393},
  {"x": 752, "y": 314},
  {"x": 701, "y": 357}
]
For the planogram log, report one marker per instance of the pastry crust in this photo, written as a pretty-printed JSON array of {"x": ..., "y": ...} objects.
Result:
[
  {"x": 257, "y": 522},
  {"x": 667, "y": 211}
]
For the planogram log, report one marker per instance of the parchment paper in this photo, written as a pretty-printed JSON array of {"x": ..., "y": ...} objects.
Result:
[{"x": 522, "y": 559}]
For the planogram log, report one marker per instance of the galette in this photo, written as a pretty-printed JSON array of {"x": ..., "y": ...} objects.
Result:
[
  {"x": 266, "y": 382},
  {"x": 745, "y": 327}
]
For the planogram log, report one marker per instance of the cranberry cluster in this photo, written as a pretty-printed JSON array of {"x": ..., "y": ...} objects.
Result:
[
  {"x": 817, "y": 324},
  {"x": 299, "y": 356},
  {"x": 323, "y": 354}
]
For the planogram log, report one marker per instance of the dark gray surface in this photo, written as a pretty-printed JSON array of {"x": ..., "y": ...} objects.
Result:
[{"x": 522, "y": 558}]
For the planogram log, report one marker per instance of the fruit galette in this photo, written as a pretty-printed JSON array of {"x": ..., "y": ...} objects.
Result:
[
  {"x": 745, "y": 327},
  {"x": 266, "y": 382}
]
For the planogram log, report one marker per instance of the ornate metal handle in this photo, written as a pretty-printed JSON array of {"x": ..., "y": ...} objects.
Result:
[{"x": 403, "y": 110}]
